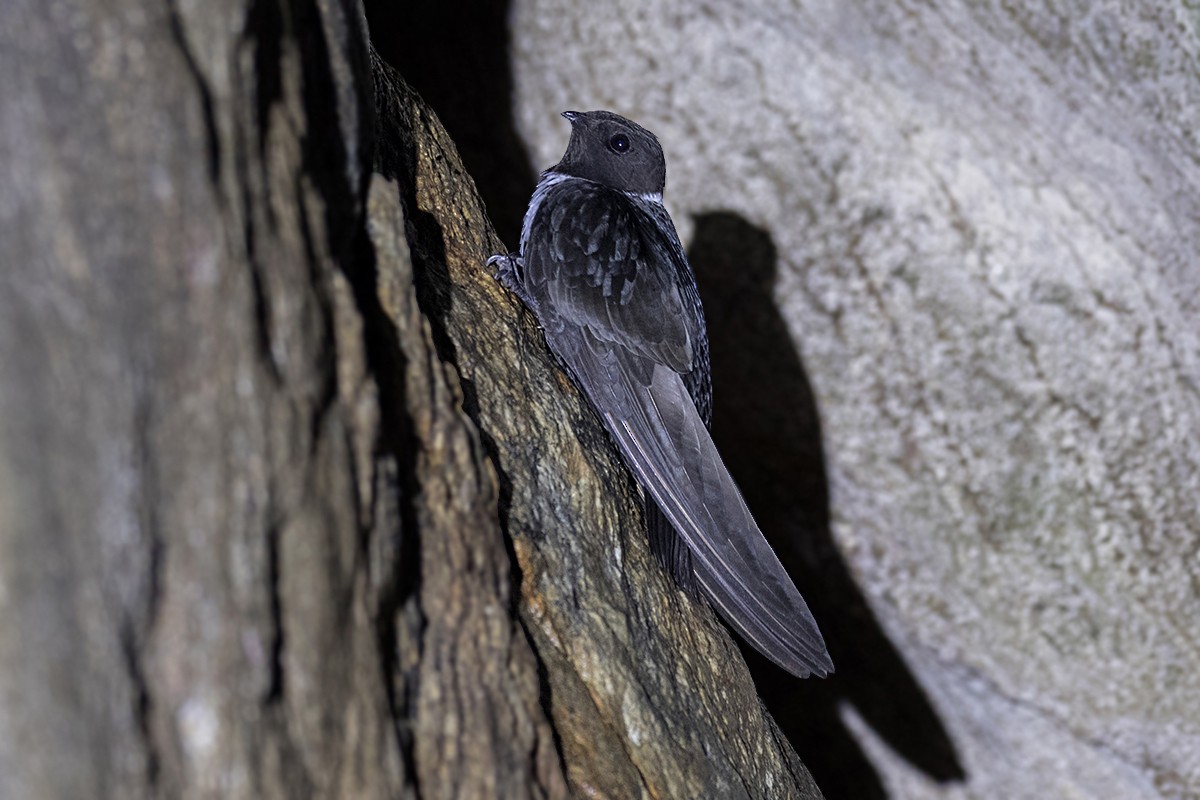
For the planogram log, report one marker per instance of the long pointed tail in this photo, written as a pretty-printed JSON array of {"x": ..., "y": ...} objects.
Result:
[{"x": 664, "y": 441}]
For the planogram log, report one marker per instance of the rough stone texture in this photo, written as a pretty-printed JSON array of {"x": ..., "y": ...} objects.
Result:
[
  {"x": 466, "y": 674},
  {"x": 187, "y": 605},
  {"x": 293, "y": 502},
  {"x": 647, "y": 694},
  {"x": 249, "y": 544},
  {"x": 986, "y": 223}
]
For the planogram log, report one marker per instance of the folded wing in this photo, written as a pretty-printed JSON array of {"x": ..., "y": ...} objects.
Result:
[
  {"x": 668, "y": 447},
  {"x": 618, "y": 304}
]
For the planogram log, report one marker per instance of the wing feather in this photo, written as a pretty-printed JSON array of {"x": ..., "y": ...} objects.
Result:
[
  {"x": 609, "y": 293},
  {"x": 665, "y": 443}
]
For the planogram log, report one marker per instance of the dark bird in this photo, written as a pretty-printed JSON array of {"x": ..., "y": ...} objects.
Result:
[{"x": 602, "y": 268}]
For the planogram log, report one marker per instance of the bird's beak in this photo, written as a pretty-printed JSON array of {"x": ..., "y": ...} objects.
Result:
[{"x": 571, "y": 115}]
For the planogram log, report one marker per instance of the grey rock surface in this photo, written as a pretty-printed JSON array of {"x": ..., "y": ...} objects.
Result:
[
  {"x": 987, "y": 220},
  {"x": 186, "y": 607}
]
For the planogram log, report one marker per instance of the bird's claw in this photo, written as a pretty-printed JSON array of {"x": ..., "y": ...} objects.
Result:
[{"x": 508, "y": 270}]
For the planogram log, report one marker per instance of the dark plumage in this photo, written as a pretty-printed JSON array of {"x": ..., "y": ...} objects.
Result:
[{"x": 602, "y": 268}]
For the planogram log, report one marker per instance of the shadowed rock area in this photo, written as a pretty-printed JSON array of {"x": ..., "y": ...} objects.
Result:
[
  {"x": 984, "y": 218},
  {"x": 768, "y": 430}
]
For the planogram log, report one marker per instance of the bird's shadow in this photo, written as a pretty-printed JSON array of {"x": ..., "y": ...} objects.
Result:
[
  {"x": 766, "y": 423},
  {"x": 768, "y": 430}
]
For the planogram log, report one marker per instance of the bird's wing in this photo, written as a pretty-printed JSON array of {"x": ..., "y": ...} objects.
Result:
[
  {"x": 599, "y": 268},
  {"x": 620, "y": 325},
  {"x": 664, "y": 441}
]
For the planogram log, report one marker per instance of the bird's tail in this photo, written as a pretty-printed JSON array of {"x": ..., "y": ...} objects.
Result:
[{"x": 664, "y": 441}]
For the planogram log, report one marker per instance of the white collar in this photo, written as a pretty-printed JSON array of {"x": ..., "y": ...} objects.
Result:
[{"x": 649, "y": 197}]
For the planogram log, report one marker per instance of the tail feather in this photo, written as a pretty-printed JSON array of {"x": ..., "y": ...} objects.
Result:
[
  {"x": 657, "y": 428},
  {"x": 670, "y": 549}
]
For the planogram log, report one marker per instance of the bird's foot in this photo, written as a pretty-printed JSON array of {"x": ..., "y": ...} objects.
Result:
[{"x": 508, "y": 270}]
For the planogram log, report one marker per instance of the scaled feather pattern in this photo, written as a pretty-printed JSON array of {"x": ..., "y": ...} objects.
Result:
[{"x": 602, "y": 267}]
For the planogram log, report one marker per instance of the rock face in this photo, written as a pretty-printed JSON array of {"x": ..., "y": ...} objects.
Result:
[
  {"x": 293, "y": 502},
  {"x": 984, "y": 221},
  {"x": 189, "y": 606}
]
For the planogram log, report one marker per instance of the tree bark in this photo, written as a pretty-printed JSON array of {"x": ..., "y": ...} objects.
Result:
[{"x": 293, "y": 501}]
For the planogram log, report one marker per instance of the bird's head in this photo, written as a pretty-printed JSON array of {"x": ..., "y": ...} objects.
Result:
[{"x": 609, "y": 149}]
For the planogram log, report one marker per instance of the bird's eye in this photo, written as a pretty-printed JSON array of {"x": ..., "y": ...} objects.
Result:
[{"x": 619, "y": 143}]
